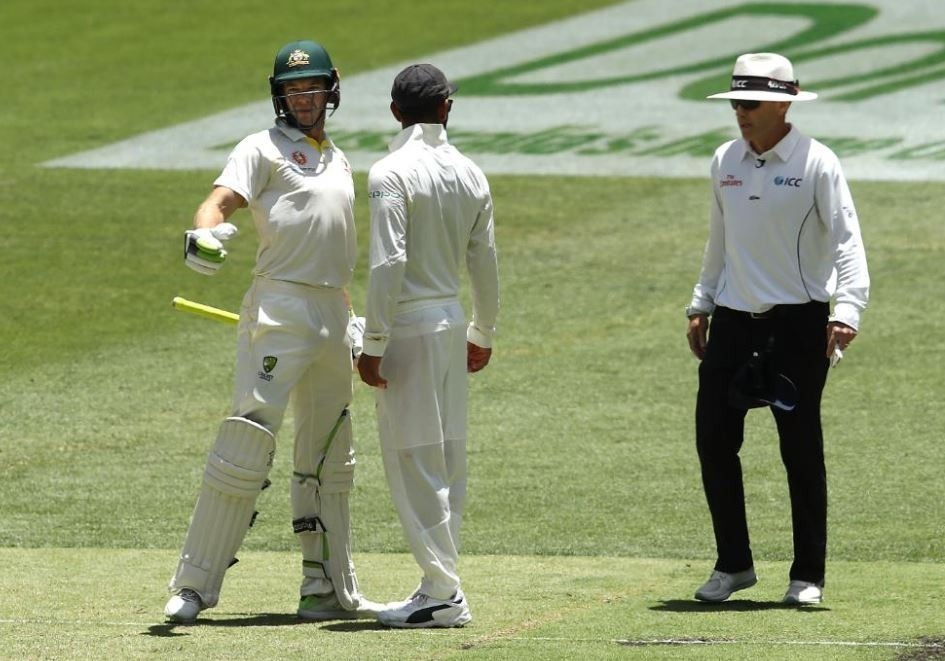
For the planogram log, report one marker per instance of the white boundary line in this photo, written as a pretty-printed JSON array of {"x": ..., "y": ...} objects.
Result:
[{"x": 819, "y": 643}]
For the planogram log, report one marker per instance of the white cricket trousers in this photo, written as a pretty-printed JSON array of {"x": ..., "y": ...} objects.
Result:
[
  {"x": 305, "y": 330},
  {"x": 422, "y": 427},
  {"x": 292, "y": 341}
]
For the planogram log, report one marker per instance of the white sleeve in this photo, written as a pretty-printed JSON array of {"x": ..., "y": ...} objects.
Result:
[
  {"x": 482, "y": 262},
  {"x": 387, "y": 198},
  {"x": 713, "y": 257},
  {"x": 835, "y": 206},
  {"x": 246, "y": 171}
]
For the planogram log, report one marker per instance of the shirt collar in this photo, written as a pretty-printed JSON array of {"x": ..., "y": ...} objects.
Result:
[
  {"x": 295, "y": 135},
  {"x": 782, "y": 150},
  {"x": 432, "y": 134}
]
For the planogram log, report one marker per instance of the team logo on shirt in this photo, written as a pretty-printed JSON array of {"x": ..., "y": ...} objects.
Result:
[
  {"x": 299, "y": 158},
  {"x": 269, "y": 364},
  {"x": 794, "y": 182},
  {"x": 730, "y": 180}
]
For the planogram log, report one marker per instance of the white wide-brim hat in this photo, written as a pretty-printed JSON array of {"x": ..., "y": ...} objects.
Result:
[{"x": 764, "y": 77}]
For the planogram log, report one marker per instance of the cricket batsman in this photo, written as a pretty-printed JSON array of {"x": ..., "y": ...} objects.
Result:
[{"x": 292, "y": 340}]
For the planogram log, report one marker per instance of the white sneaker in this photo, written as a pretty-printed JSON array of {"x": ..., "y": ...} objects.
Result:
[
  {"x": 319, "y": 607},
  {"x": 802, "y": 592},
  {"x": 183, "y": 607},
  {"x": 422, "y": 611},
  {"x": 721, "y": 585}
]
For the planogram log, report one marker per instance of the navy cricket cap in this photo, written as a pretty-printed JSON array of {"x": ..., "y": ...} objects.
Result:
[{"x": 420, "y": 87}]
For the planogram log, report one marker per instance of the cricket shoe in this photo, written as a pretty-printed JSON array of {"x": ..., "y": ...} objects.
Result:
[
  {"x": 721, "y": 585},
  {"x": 319, "y": 607},
  {"x": 801, "y": 593},
  {"x": 423, "y": 611},
  {"x": 183, "y": 607}
]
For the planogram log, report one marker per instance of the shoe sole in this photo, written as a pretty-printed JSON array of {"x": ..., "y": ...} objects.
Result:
[
  {"x": 321, "y": 616},
  {"x": 174, "y": 619},
  {"x": 798, "y": 602},
  {"x": 430, "y": 624},
  {"x": 715, "y": 600}
]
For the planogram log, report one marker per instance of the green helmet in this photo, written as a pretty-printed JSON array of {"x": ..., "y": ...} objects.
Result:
[{"x": 302, "y": 59}]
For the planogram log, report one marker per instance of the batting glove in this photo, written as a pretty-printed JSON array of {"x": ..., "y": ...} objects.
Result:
[{"x": 203, "y": 247}]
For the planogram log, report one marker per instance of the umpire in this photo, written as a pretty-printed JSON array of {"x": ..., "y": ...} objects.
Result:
[{"x": 784, "y": 239}]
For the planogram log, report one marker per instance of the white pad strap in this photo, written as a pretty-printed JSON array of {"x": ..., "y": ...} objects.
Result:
[
  {"x": 235, "y": 473},
  {"x": 322, "y": 521}
]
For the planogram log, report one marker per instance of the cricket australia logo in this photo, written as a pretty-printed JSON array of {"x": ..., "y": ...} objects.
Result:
[
  {"x": 299, "y": 158},
  {"x": 297, "y": 58},
  {"x": 269, "y": 364}
]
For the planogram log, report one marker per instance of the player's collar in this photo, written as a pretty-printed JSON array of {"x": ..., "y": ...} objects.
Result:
[
  {"x": 432, "y": 134},
  {"x": 295, "y": 135}
]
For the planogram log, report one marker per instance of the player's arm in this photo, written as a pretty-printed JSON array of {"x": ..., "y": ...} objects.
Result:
[
  {"x": 387, "y": 256},
  {"x": 203, "y": 245},
  {"x": 482, "y": 263},
  {"x": 220, "y": 204}
]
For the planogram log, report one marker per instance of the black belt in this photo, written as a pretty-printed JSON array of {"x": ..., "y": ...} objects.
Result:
[{"x": 782, "y": 310}]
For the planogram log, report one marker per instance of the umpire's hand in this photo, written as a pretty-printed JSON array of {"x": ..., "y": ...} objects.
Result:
[{"x": 697, "y": 334}]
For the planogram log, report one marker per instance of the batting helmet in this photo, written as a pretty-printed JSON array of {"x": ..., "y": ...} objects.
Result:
[{"x": 302, "y": 59}]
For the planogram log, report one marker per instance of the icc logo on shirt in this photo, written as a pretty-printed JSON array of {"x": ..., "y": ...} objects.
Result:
[{"x": 788, "y": 181}]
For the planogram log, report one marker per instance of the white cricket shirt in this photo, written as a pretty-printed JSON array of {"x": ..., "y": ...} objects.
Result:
[
  {"x": 431, "y": 211},
  {"x": 783, "y": 230},
  {"x": 301, "y": 196}
]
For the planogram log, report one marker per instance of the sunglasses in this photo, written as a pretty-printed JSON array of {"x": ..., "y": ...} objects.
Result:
[{"x": 747, "y": 105}]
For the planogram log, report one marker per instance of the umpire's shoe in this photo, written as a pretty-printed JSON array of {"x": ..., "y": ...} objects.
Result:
[
  {"x": 423, "y": 611},
  {"x": 183, "y": 607},
  {"x": 721, "y": 585},
  {"x": 800, "y": 593}
]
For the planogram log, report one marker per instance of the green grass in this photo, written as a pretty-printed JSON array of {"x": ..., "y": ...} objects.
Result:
[
  {"x": 535, "y": 607},
  {"x": 586, "y": 522}
]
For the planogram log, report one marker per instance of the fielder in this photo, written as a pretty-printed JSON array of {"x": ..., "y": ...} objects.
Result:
[
  {"x": 784, "y": 239},
  {"x": 431, "y": 212},
  {"x": 292, "y": 341}
]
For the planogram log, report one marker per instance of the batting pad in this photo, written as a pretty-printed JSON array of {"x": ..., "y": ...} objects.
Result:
[
  {"x": 235, "y": 473},
  {"x": 322, "y": 521}
]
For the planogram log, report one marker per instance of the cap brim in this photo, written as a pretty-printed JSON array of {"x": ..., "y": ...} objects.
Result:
[{"x": 747, "y": 95}]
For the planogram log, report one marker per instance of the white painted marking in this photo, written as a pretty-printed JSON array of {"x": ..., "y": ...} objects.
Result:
[{"x": 638, "y": 127}]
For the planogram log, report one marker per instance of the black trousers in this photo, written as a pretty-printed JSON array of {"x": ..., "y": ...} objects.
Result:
[{"x": 799, "y": 345}]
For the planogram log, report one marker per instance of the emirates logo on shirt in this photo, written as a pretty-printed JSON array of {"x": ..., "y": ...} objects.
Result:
[
  {"x": 730, "y": 180},
  {"x": 299, "y": 158}
]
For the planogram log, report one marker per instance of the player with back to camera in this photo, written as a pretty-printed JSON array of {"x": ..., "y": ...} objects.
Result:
[
  {"x": 784, "y": 238},
  {"x": 294, "y": 339},
  {"x": 431, "y": 214}
]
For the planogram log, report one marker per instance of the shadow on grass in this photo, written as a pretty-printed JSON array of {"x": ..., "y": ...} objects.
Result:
[
  {"x": 738, "y": 605},
  {"x": 168, "y": 630}
]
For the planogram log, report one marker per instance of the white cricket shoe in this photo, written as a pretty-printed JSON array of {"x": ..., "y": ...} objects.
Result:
[
  {"x": 803, "y": 592},
  {"x": 319, "y": 607},
  {"x": 721, "y": 585},
  {"x": 183, "y": 607},
  {"x": 423, "y": 611}
]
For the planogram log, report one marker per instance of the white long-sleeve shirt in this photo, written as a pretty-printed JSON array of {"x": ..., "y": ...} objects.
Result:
[
  {"x": 431, "y": 210},
  {"x": 783, "y": 230}
]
